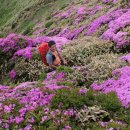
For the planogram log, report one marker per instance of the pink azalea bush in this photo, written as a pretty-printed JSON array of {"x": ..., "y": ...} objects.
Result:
[
  {"x": 26, "y": 99},
  {"x": 115, "y": 20},
  {"x": 28, "y": 105},
  {"x": 113, "y": 34},
  {"x": 120, "y": 85}
]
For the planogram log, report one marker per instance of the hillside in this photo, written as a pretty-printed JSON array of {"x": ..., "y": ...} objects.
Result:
[{"x": 92, "y": 92}]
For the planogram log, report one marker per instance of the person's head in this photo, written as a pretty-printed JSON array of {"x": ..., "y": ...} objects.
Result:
[{"x": 52, "y": 45}]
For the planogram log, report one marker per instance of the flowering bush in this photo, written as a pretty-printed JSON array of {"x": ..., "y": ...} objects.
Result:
[
  {"x": 120, "y": 85},
  {"x": 118, "y": 18},
  {"x": 55, "y": 100},
  {"x": 66, "y": 98}
]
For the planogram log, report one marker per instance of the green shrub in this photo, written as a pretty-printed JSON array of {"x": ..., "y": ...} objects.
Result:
[
  {"x": 48, "y": 24},
  {"x": 115, "y": 126},
  {"x": 79, "y": 52},
  {"x": 2, "y": 35},
  {"x": 125, "y": 115},
  {"x": 36, "y": 56},
  {"x": 101, "y": 66},
  {"x": 68, "y": 98},
  {"x": 109, "y": 101},
  {"x": 98, "y": 69},
  {"x": 28, "y": 70},
  {"x": 64, "y": 6},
  {"x": 29, "y": 29},
  {"x": 78, "y": 77},
  {"x": 90, "y": 98},
  {"x": 42, "y": 76},
  {"x": 65, "y": 69},
  {"x": 48, "y": 17},
  {"x": 91, "y": 114},
  {"x": 65, "y": 83}
]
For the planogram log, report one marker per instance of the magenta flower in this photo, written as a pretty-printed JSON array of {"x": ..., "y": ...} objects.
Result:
[
  {"x": 44, "y": 118},
  {"x": 28, "y": 127},
  {"x": 12, "y": 74},
  {"x": 83, "y": 91},
  {"x": 7, "y": 109},
  {"x": 18, "y": 119}
]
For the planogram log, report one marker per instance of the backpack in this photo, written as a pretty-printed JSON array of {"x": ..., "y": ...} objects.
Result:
[{"x": 43, "y": 49}]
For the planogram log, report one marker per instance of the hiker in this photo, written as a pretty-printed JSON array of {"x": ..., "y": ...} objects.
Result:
[{"x": 53, "y": 57}]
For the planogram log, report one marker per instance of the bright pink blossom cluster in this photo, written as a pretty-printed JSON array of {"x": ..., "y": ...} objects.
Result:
[
  {"x": 120, "y": 85},
  {"x": 115, "y": 20}
]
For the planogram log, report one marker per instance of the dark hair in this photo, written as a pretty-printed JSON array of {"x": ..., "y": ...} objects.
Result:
[{"x": 50, "y": 43}]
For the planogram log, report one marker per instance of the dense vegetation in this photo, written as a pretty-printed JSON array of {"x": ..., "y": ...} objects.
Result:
[{"x": 92, "y": 91}]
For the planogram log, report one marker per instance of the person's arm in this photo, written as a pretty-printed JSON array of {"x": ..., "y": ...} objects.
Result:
[
  {"x": 52, "y": 66},
  {"x": 62, "y": 58}
]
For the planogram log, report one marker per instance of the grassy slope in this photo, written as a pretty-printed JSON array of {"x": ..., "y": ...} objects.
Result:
[{"x": 18, "y": 15}]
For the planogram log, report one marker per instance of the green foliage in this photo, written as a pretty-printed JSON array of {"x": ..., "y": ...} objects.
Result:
[
  {"x": 125, "y": 115},
  {"x": 28, "y": 70},
  {"x": 65, "y": 83},
  {"x": 79, "y": 52},
  {"x": 109, "y": 101},
  {"x": 65, "y": 69},
  {"x": 36, "y": 56},
  {"x": 2, "y": 35},
  {"x": 42, "y": 76},
  {"x": 48, "y": 24},
  {"x": 115, "y": 125},
  {"x": 78, "y": 77},
  {"x": 64, "y": 6},
  {"x": 48, "y": 17},
  {"x": 29, "y": 29},
  {"x": 68, "y": 98},
  {"x": 98, "y": 69},
  {"x": 90, "y": 98}
]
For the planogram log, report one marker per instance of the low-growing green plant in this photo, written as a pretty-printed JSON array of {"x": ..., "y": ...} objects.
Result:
[
  {"x": 125, "y": 115},
  {"x": 115, "y": 126},
  {"x": 109, "y": 101},
  {"x": 90, "y": 98},
  {"x": 29, "y": 29},
  {"x": 98, "y": 69},
  {"x": 65, "y": 69},
  {"x": 48, "y": 17},
  {"x": 48, "y": 24},
  {"x": 64, "y": 6},
  {"x": 2, "y": 35},
  {"x": 68, "y": 99},
  {"x": 42, "y": 76},
  {"x": 65, "y": 83},
  {"x": 36, "y": 56}
]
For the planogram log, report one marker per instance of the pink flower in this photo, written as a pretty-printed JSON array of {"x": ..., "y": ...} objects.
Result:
[
  {"x": 12, "y": 74},
  {"x": 83, "y": 91},
  {"x": 28, "y": 127},
  {"x": 18, "y": 119},
  {"x": 44, "y": 118},
  {"x": 66, "y": 128},
  {"x": 7, "y": 109}
]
